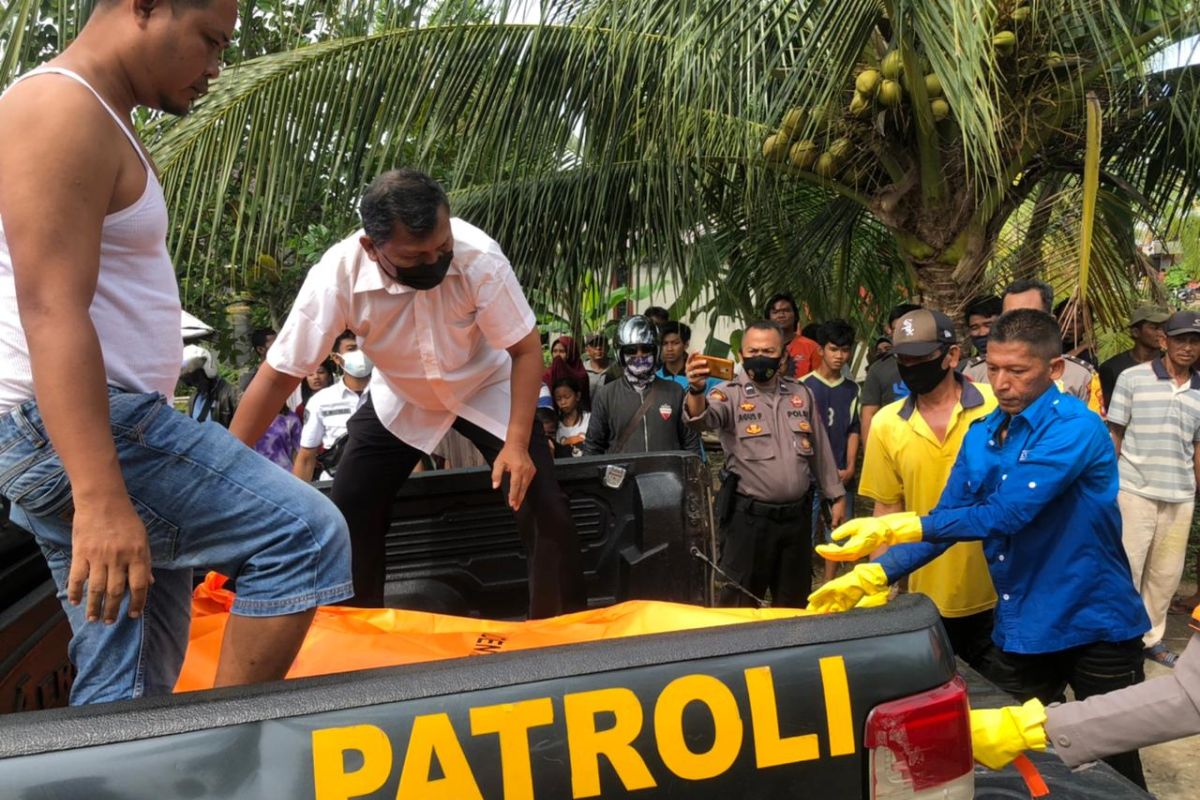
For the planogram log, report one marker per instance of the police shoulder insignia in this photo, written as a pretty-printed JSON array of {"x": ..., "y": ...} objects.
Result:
[
  {"x": 754, "y": 430},
  {"x": 718, "y": 395},
  {"x": 747, "y": 406},
  {"x": 1078, "y": 362}
]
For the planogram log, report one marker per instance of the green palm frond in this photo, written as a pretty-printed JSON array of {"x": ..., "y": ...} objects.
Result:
[
  {"x": 617, "y": 134},
  {"x": 489, "y": 113},
  {"x": 31, "y": 31},
  {"x": 1047, "y": 229}
]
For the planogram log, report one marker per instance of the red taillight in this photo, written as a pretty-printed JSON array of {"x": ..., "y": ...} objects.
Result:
[{"x": 922, "y": 743}]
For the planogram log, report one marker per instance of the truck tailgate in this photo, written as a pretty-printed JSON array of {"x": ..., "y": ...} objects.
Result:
[{"x": 753, "y": 710}]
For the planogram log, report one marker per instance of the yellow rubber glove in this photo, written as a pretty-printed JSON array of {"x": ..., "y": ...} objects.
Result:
[
  {"x": 865, "y": 535},
  {"x": 874, "y": 600},
  {"x": 998, "y": 735},
  {"x": 845, "y": 592}
]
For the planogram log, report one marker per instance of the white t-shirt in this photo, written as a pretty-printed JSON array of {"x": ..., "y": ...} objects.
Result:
[
  {"x": 573, "y": 435},
  {"x": 326, "y": 414},
  {"x": 439, "y": 354}
]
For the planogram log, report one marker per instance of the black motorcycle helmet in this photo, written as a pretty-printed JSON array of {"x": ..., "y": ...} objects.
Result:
[{"x": 633, "y": 332}]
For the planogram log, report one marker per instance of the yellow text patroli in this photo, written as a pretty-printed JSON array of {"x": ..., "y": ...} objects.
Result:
[{"x": 343, "y": 639}]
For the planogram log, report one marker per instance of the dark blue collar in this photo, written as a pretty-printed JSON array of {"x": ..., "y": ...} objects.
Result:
[
  {"x": 1035, "y": 413},
  {"x": 1160, "y": 371},
  {"x": 971, "y": 398}
]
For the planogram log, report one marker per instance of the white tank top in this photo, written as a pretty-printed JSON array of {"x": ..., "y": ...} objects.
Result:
[{"x": 136, "y": 308}]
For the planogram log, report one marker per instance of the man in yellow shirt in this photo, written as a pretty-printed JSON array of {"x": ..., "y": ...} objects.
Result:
[{"x": 912, "y": 446}]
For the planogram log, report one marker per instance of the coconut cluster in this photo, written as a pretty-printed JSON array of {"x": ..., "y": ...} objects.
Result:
[
  {"x": 806, "y": 154},
  {"x": 877, "y": 89}
]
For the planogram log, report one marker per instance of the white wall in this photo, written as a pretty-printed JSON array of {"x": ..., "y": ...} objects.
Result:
[{"x": 668, "y": 292}]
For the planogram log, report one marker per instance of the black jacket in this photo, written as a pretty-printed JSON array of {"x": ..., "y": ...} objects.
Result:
[
  {"x": 661, "y": 428},
  {"x": 224, "y": 401}
]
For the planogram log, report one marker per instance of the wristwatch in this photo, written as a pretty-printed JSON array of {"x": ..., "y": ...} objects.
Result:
[{"x": 694, "y": 390}]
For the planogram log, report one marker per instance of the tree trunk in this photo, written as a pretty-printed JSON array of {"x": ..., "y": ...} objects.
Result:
[
  {"x": 238, "y": 314},
  {"x": 940, "y": 289},
  {"x": 953, "y": 278}
]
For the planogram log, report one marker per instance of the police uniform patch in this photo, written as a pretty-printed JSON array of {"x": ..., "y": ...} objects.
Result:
[
  {"x": 805, "y": 427},
  {"x": 717, "y": 394},
  {"x": 747, "y": 406},
  {"x": 664, "y": 411},
  {"x": 797, "y": 401},
  {"x": 754, "y": 430}
]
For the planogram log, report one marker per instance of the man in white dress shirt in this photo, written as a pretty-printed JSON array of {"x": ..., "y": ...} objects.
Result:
[{"x": 437, "y": 308}]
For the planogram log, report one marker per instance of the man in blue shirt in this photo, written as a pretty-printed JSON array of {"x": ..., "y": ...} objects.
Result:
[
  {"x": 675, "y": 337},
  {"x": 1036, "y": 481},
  {"x": 837, "y": 402}
]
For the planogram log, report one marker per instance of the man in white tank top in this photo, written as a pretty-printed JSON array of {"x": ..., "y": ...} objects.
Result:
[{"x": 124, "y": 496}]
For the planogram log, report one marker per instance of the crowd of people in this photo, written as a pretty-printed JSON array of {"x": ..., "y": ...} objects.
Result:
[
  {"x": 1048, "y": 527},
  {"x": 1041, "y": 501}
]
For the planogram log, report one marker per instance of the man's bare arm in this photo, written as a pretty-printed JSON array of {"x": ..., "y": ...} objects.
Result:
[
  {"x": 514, "y": 457},
  {"x": 865, "y": 417},
  {"x": 882, "y": 510},
  {"x": 1117, "y": 432},
  {"x": 60, "y": 171},
  {"x": 1196, "y": 464},
  {"x": 260, "y": 404},
  {"x": 306, "y": 463},
  {"x": 852, "y": 443},
  {"x": 526, "y": 383},
  {"x": 697, "y": 374}
]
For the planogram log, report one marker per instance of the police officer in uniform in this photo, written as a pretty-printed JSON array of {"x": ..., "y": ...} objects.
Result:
[
  {"x": 1079, "y": 378},
  {"x": 775, "y": 449}
]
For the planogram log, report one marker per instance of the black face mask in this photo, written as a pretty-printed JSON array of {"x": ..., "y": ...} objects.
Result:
[
  {"x": 923, "y": 378},
  {"x": 980, "y": 343},
  {"x": 761, "y": 369},
  {"x": 420, "y": 277}
]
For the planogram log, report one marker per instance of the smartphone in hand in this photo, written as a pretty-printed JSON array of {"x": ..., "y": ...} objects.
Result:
[{"x": 720, "y": 368}]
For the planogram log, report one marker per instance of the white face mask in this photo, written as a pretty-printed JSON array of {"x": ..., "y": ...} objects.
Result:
[{"x": 356, "y": 364}]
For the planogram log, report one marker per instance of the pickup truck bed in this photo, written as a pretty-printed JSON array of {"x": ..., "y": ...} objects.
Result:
[{"x": 750, "y": 689}]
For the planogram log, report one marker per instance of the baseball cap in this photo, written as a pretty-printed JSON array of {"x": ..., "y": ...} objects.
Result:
[
  {"x": 920, "y": 332},
  {"x": 1149, "y": 313},
  {"x": 1182, "y": 322}
]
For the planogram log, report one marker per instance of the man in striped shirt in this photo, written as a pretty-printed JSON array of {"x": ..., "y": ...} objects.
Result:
[{"x": 1154, "y": 418}]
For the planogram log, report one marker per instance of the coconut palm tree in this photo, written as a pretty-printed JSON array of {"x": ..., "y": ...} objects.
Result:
[{"x": 837, "y": 147}]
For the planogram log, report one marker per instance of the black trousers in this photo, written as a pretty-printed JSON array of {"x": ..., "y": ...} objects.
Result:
[
  {"x": 767, "y": 547},
  {"x": 1089, "y": 670},
  {"x": 971, "y": 637},
  {"x": 375, "y": 465}
]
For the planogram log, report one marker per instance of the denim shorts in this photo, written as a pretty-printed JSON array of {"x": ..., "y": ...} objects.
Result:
[{"x": 208, "y": 502}]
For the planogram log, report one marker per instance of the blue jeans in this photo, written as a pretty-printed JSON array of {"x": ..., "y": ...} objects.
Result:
[{"x": 207, "y": 501}]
